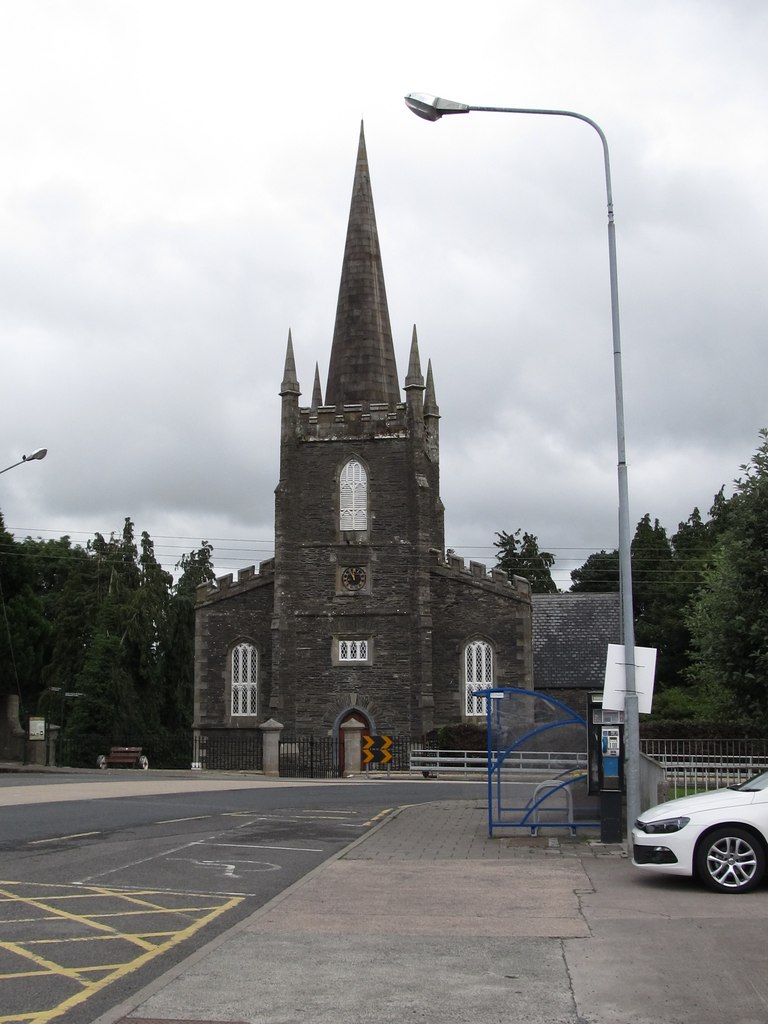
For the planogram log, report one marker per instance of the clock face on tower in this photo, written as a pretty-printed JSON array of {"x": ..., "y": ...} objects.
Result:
[{"x": 354, "y": 577}]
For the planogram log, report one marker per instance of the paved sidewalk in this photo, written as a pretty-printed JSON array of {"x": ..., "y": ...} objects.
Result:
[{"x": 425, "y": 918}]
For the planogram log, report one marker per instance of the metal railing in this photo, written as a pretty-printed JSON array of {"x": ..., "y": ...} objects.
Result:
[
  {"x": 224, "y": 752},
  {"x": 693, "y": 766},
  {"x": 168, "y": 750},
  {"x": 309, "y": 757},
  {"x": 546, "y": 762}
]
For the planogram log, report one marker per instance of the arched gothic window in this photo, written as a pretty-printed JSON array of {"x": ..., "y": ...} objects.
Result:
[
  {"x": 245, "y": 680},
  {"x": 478, "y": 675},
  {"x": 353, "y": 497}
]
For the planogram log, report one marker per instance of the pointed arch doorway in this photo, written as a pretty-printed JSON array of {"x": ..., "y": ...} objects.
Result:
[{"x": 352, "y": 715}]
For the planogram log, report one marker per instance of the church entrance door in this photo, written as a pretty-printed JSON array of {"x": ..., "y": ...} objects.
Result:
[{"x": 353, "y": 715}]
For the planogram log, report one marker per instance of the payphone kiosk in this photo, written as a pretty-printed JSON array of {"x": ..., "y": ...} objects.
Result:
[{"x": 606, "y": 766}]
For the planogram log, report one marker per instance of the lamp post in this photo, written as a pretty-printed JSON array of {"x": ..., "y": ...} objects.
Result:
[
  {"x": 432, "y": 108},
  {"x": 40, "y": 453},
  {"x": 36, "y": 455}
]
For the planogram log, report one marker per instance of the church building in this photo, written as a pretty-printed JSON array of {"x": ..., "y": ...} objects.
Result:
[{"x": 361, "y": 613}]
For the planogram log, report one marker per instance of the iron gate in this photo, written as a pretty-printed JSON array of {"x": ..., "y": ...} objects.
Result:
[
  {"x": 309, "y": 757},
  {"x": 224, "y": 752}
]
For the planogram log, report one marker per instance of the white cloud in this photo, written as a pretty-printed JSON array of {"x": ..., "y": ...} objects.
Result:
[{"x": 173, "y": 198}]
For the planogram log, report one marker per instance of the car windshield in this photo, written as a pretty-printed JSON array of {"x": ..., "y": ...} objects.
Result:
[{"x": 753, "y": 785}]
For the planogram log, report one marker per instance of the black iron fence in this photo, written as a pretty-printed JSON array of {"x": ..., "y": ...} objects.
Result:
[
  {"x": 689, "y": 764},
  {"x": 401, "y": 749},
  {"x": 225, "y": 752},
  {"x": 167, "y": 750},
  {"x": 310, "y": 757}
]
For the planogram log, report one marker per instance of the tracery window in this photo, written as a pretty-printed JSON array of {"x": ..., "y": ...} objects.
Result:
[
  {"x": 245, "y": 680},
  {"x": 478, "y": 675},
  {"x": 353, "y": 650},
  {"x": 353, "y": 497}
]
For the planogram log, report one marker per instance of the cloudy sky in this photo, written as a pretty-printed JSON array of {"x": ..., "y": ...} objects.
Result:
[{"x": 174, "y": 188}]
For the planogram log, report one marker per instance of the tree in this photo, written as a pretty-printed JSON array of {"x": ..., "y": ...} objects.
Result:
[
  {"x": 598, "y": 575},
  {"x": 693, "y": 547},
  {"x": 68, "y": 577},
  {"x": 120, "y": 676},
  {"x": 106, "y": 621},
  {"x": 728, "y": 618},
  {"x": 651, "y": 593},
  {"x": 523, "y": 558},
  {"x": 24, "y": 630},
  {"x": 665, "y": 575},
  {"x": 178, "y": 647},
  {"x": 196, "y": 569}
]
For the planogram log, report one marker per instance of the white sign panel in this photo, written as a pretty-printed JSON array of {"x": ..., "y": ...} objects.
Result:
[
  {"x": 615, "y": 678},
  {"x": 37, "y": 728}
]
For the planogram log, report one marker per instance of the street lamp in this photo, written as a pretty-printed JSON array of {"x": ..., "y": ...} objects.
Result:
[
  {"x": 432, "y": 108},
  {"x": 38, "y": 454}
]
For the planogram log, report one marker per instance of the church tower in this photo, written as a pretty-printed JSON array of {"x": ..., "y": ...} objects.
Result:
[
  {"x": 357, "y": 513},
  {"x": 361, "y": 613}
]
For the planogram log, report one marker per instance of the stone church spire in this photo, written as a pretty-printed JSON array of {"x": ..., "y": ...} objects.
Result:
[{"x": 362, "y": 365}]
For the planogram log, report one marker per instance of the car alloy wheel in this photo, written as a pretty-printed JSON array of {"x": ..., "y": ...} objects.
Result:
[{"x": 730, "y": 860}]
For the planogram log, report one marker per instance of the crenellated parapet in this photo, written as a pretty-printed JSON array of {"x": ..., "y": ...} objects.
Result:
[
  {"x": 479, "y": 574},
  {"x": 228, "y": 586},
  {"x": 359, "y": 420}
]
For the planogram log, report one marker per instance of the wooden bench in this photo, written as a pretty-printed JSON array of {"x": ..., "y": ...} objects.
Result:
[{"x": 129, "y": 756}]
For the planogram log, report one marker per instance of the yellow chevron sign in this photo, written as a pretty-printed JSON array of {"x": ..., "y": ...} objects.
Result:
[{"x": 377, "y": 749}]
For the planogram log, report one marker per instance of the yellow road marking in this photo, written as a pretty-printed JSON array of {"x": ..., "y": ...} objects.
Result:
[
  {"x": 49, "y": 967},
  {"x": 89, "y": 922},
  {"x": 146, "y": 945},
  {"x": 377, "y": 817},
  {"x": 46, "y": 974}
]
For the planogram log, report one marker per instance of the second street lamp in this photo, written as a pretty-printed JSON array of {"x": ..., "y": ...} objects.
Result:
[
  {"x": 39, "y": 453},
  {"x": 432, "y": 108}
]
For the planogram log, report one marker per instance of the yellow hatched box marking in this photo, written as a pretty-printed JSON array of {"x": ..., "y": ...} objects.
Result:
[{"x": 92, "y": 917}]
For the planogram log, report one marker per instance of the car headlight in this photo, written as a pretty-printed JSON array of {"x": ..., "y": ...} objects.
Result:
[{"x": 663, "y": 826}]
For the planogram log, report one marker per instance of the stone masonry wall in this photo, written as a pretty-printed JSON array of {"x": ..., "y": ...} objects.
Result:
[
  {"x": 312, "y": 608},
  {"x": 226, "y": 615},
  {"x": 470, "y": 605}
]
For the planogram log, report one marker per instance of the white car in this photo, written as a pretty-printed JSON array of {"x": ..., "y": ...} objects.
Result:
[{"x": 721, "y": 836}]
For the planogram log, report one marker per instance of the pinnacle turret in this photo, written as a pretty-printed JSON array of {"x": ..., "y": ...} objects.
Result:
[
  {"x": 317, "y": 394},
  {"x": 430, "y": 400},
  {"x": 290, "y": 384},
  {"x": 414, "y": 378}
]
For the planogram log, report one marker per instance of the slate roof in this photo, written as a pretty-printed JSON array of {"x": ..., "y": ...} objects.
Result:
[{"x": 570, "y": 635}]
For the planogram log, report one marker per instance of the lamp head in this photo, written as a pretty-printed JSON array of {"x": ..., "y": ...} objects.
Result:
[
  {"x": 39, "y": 453},
  {"x": 432, "y": 108}
]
